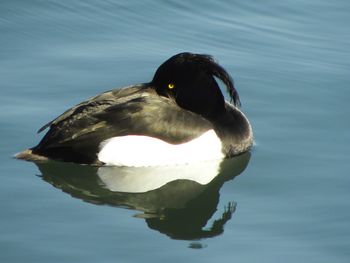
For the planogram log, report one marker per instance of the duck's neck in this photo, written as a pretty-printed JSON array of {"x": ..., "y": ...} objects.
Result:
[{"x": 206, "y": 101}]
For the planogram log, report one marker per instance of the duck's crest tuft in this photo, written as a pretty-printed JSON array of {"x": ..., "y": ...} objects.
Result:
[{"x": 208, "y": 63}]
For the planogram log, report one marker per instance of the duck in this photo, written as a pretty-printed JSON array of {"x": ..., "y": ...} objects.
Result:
[{"x": 180, "y": 116}]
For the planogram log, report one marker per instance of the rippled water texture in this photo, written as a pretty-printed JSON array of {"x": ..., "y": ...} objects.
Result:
[{"x": 286, "y": 201}]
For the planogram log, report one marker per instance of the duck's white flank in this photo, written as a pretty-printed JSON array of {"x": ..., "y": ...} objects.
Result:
[{"x": 138, "y": 151}]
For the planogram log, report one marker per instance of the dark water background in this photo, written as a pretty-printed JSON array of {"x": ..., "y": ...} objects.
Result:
[{"x": 290, "y": 61}]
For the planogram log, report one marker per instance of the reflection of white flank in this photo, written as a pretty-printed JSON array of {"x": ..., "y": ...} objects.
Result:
[
  {"x": 137, "y": 151},
  {"x": 143, "y": 179}
]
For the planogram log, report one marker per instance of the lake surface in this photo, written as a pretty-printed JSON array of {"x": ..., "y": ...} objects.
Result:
[{"x": 286, "y": 201}]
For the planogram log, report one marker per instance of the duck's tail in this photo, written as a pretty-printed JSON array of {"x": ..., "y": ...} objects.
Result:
[{"x": 28, "y": 155}]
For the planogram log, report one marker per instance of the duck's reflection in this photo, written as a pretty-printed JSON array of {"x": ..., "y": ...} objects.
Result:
[{"x": 175, "y": 200}]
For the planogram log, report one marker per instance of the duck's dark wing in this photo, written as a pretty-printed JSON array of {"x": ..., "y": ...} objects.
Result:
[
  {"x": 96, "y": 104},
  {"x": 77, "y": 134}
]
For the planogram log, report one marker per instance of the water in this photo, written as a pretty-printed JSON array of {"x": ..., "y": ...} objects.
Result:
[{"x": 290, "y": 61}]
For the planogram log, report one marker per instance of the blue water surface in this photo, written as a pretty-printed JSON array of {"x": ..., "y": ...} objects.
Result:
[{"x": 290, "y": 61}]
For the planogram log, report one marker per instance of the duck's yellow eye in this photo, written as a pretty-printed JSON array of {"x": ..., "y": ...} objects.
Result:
[{"x": 171, "y": 85}]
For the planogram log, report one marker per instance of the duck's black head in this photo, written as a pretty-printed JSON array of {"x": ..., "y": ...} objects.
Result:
[{"x": 189, "y": 79}]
